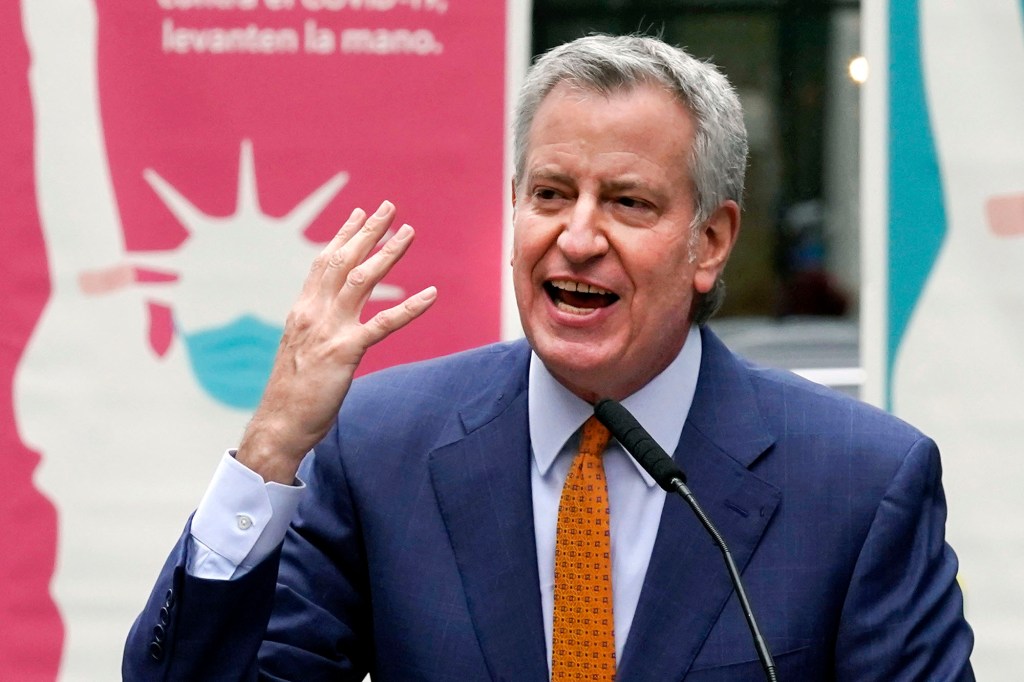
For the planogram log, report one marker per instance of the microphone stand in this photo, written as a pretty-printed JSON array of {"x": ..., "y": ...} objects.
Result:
[
  {"x": 655, "y": 461},
  {"x": 759, "y": 644}
]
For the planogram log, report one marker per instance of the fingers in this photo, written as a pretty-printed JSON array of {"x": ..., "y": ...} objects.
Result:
[
  {"x": 356, "y": 241},
  {"x": 344, "y": 275},
  {"x": 361, "y": 280},
  {"x": 387, "y": 321},
  {"x": 350, "y": 227},
  {"x": 316, "y": 270},
  {"x": 348, "y": 248}
]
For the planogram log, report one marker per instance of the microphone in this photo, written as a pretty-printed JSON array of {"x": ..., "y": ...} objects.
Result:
[{"x": 663, "y": 469}]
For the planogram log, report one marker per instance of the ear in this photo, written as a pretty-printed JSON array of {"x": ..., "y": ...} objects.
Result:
[
  {"x": 513, "y": 195},
  {"x": 714, "y": 244}
]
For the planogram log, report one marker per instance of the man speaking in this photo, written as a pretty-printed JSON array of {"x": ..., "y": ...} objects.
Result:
[{"x": 466, "y": 518}]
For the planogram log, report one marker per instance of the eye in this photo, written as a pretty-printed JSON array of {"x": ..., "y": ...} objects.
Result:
[
  {"x": 632, "y": 202},
  {"x": 546, "y": 194}
]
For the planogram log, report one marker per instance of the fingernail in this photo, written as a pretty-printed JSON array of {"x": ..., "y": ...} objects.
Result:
[
  {"x": 384, "y": 209},
  {"x": 428, "y": 294},
  {"x": 357, "y": 214},
  {"x": 404, "y": 232}
]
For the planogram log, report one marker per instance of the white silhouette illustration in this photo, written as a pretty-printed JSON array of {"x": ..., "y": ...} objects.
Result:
[
  {"x": 129, "y": 434},
  {"x": 959, "y": 374}
]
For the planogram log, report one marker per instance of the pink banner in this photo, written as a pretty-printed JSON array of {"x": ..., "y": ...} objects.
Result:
[
  {"x": 32, "y": 633},
  {"x": 170, "y": 168}
]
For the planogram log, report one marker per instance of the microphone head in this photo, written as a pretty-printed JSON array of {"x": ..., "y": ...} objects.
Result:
[{"x": 638, "y": 443}]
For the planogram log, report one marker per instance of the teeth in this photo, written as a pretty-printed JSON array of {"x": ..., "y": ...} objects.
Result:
[
  {"x": 569, "y": 285},
  {"x": 565, "y": 307}
]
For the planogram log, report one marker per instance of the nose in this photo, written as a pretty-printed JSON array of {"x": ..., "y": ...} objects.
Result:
[{"x": 583, "y": 236}]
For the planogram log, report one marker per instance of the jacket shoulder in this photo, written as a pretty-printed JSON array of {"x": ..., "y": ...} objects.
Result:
[
  {"x": 426, "y": 404},
  {"x": 500, "y": 367},
  {"x": 795, "y": 406}
]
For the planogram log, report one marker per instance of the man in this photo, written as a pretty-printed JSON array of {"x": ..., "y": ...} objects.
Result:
[{"x": 428, "y": 542}]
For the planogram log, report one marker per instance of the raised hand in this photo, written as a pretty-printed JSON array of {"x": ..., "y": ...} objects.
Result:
[{"x": 324, "y": 341}]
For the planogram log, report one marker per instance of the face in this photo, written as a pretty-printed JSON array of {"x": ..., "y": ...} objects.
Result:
[{"x": 605, "y": 265}]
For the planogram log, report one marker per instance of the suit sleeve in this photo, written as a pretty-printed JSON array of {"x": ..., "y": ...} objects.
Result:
[
  {"x": 321, "y": 625},
  {"x": 300, "y": 614},
  {"x": 196, "y": 629},
  {"x": 902, "y": 618}
]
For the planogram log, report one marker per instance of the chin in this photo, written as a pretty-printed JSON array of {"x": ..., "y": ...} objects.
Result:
[{"x": 579, "y": 368}]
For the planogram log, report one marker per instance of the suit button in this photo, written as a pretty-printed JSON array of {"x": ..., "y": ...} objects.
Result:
[
  {"x": 169, "y": 598},
  {"x": 156, "y": 652},
  {"x": 158, "y": 633},
  {"x": 165, "y": 615}
]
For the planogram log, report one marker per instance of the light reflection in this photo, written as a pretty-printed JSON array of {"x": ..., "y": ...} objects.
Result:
[{"x": 858, "y": 70}]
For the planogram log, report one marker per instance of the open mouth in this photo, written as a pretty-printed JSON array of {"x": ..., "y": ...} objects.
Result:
[{"x": 577, "y": 297}]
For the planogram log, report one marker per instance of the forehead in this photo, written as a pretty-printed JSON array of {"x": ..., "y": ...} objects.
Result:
[{"x": 644, "y": 121}]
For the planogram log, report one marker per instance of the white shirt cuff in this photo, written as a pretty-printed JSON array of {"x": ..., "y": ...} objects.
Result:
[{"x": 240, "y": 521}]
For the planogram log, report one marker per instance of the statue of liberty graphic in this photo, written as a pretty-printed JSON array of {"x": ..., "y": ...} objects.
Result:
[{"x": 141, "y": 361}]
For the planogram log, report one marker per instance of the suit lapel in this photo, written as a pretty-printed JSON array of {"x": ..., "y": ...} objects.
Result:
[
  {"x": 482, "y": 483},
  {"x": 687, "y": 584}
]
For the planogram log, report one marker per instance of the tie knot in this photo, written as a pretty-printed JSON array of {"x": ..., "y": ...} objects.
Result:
[{"x": 594, "y": 438}]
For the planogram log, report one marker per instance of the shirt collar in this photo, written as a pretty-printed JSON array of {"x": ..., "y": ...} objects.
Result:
[{"x": 661, "y": 406}]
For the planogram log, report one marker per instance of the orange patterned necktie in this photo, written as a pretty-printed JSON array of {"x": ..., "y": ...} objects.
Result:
[{"x": 583, "y": 638}]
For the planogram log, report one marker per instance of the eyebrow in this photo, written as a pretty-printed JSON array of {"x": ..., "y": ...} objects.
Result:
[
  {"x": 549, "y": 175},
  {"x": 625, "y": 184},
  {"x": 614, "y": 185}
]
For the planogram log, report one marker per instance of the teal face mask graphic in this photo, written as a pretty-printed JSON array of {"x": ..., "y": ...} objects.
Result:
[{"x": 232, "y": 363}]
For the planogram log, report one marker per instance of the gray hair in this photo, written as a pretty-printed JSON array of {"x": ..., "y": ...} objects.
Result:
[{"x": 610, "y": 64}]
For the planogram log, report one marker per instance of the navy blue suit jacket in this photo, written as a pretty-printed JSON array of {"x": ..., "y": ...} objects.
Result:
[{"x": 413, "y": 555}]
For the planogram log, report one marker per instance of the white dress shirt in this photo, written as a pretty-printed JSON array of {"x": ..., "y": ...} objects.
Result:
[
  {"x": 241, "y": 519},
  {"x": 635, "y": 501}
]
